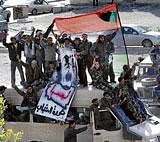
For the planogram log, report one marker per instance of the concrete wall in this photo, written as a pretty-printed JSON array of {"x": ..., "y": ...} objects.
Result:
[
  {"x": 85, "y": 1},
  {"x": 107, "y": 1}
]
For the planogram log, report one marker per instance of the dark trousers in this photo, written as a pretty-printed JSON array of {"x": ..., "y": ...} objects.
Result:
[
  {"x": 13, "y": 71},
  {"x": 108, "y": 71},
  {"x": 111, "y": 73},
  {"x": 95, "y": 2},
  {"x": 41, "y": 63},
  {"x": 89, "y": 62},
  {"x": 82, "y": 72}
]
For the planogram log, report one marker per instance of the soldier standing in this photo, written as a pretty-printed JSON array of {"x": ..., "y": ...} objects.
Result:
[
  {"x": 103, "y": 48},
  {"x": 15, "y": 48},
  {"x": 81, "y": 52},
  {"x": 109, "y": 50}
]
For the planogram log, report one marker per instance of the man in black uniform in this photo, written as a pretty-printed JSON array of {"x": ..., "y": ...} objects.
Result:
[{"x": 70, "y": 133}]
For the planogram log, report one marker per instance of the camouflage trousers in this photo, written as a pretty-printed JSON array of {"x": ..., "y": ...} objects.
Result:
[
  {"x": 103, "y": 86},
  {"x": 134, "y": 108}
]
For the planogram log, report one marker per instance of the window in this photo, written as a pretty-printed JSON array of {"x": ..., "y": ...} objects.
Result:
[
  {"x": 81, "y": 115},
  {"x": 38, "y": 2},
  {"x": 105, "y": 120},
  {"x": 128, "y": 30}
]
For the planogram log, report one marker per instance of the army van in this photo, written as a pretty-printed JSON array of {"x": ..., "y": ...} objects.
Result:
[{"x": 122, "y": 129}]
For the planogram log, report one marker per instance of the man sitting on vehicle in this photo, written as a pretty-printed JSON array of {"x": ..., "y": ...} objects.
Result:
[
  {"x": 106, "y": 118},
  {"x": 129, "y": 103}
]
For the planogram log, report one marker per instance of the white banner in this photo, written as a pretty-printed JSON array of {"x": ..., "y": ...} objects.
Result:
[{"x": 58, "y": 94}]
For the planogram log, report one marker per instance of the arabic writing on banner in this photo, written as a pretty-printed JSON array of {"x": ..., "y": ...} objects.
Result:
[{"x": 58, "y": 94}]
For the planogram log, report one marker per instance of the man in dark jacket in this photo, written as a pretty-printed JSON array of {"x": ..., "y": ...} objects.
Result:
[
  {"x": 15, "y": 49},
  {"x": 30, "y": 98},
  {"x": 70, "y": 133},
  {"x": 81, "y": 52},
  {"x": 34, "y": 75}
]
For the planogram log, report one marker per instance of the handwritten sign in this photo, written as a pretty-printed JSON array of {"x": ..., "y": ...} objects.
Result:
[{"x": 58, "y": 94}]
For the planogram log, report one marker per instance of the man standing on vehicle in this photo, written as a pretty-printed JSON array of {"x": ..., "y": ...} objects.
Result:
[
  {"x": 70, "y": 133},
  {"x": 15, "y": 48}
]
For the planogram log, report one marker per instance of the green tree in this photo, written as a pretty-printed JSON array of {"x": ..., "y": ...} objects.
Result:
[{"x": 7, "y": 135}]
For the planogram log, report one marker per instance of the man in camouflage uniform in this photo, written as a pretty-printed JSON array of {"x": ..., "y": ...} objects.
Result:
[
  {"x": 103, "y": 48},
  {"x": 97, "y": 76},
  {"x": 128, "y": 101}
]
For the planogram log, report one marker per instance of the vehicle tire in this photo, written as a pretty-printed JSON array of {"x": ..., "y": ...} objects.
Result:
[
  {"x": 148, "y": 82},
  {"x": 147, "y": 43},
  {"x": 8, "y": 16},
  {"x": 34, "y": 12}
]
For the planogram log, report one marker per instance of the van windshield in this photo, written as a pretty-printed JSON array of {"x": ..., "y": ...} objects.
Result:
[{"x": 106, "y": 121}]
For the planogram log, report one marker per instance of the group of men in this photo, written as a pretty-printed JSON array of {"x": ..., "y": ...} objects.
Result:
[
  {"x": 41, "y": 62},
  {"x": 41, "y": 57}
]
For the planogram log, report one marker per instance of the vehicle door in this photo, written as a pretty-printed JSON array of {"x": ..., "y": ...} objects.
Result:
[
  {"x": 131, "y": 36},
  {"x": 106, "y": 128}
]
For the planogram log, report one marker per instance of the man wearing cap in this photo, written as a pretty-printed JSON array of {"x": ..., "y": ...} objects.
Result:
[
  {"x": 15, "y": 48},
  {"x": 70, "y": 133},
  {"x": 34, "y": 75}
]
